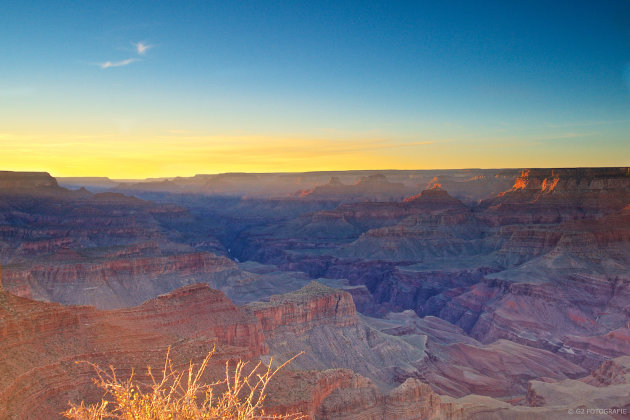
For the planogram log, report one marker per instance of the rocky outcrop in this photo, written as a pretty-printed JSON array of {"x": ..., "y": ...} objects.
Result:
[
  {"x": 599, "y": 347},
  {"x": 611, "y": 372},
  {"x": 360, "y": 222},
  {"x": 426, "y": 291},
  {"x": 439, "y": 331},
  {"x": 343, "y": 394},
  {"x": 557, "y": 195},
  {"x": 323, "y": 323},
  {"x": 500, "y": 369},
  {"x": 368, "y": 215},
  {"x": 468, "y": 184},
  {"x": 310, "y": 306},
  {"x": 412, "y": 400},
  {"x": 39, "y": 222},
  {"x": 565, "y": 180},
  {"x": 41, "y": 341},
  {"x": 476, "y": 185},
  {"x": 519, "y": 294},
  {"x": 120, "y": 282},
  {"x": 379, "y": 230},
  {"x": 458, "y": 365},
  {"x": 521, "y": 243},
  {"x": 605, "y": 393},
  {"x": 440, "y": 227},
  {"x": 182, "y": 311},
  {"x": 19, "y": 182},
  {"x": 92, "y": 183},
  {"x": 368, "y": 188}
]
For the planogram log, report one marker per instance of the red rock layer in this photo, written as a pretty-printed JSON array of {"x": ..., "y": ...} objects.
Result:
[
  {"x": 203, "y": 306},
  {"x": 314, "y": 304},
  {"x": 40, "y": 342},
  {"x": 557, "y": 195},
  {"x": 116, "y": 283},
  {"x": 412, "y": 400}
]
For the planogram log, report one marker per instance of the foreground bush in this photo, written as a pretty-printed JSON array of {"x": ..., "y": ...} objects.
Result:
[{"x": 181, "y": 395}]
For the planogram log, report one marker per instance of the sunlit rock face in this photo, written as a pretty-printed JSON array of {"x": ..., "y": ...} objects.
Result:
[{"x": 557, "y": 195}]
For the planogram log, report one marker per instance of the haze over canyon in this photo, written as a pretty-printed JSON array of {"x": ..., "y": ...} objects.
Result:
[{"x": 426, "y": 294}]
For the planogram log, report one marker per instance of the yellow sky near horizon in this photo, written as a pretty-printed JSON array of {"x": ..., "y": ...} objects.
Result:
[
  {"x": 182, "y": 154},
  {"x": 169, "y": 153}
]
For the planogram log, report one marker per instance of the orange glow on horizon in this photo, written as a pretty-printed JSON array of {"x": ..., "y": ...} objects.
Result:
[
  {"x": 170, "y": 153},
  {"x": 179, "y": 154}
]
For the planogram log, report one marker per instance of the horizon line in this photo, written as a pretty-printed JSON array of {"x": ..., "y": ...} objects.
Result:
[{"x": 308, "y": 172}]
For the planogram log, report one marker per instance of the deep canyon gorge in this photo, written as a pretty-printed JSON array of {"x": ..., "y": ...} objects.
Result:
[{"x": 452, "y": 294}]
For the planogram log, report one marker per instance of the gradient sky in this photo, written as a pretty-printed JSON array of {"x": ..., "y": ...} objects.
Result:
[{"x": 146, "y": 89}]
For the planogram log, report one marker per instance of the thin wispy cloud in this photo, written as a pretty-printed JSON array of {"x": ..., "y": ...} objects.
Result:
[
  {"x": 142, "y": 47},
  {"x": 110, "y": 64}
]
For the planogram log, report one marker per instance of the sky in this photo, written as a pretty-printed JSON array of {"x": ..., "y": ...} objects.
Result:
[{"x": 158, "y": 89}]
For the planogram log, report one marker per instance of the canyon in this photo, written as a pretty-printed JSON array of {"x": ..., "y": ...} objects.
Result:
[{"x": 450, "y": 294}]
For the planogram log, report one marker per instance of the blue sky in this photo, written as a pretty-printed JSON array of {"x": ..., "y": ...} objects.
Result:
[{"x": 134, "y": 89}]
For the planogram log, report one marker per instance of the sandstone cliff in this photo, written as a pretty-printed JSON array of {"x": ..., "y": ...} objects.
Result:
[
  {"x": 19, "y": 182},
  {"x": 323, "y": 322},
  {"x": 556, "y": 195},
  {"x": 41, "y": 341},
  {"x": 374, "y": 187},
  {"x": 118, "y": 282}
]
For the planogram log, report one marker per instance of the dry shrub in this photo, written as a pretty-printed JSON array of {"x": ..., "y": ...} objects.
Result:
[{"x": 181, "y": 395}]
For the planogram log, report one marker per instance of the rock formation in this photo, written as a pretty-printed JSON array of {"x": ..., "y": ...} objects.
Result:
[
  {"x": 323, "y": 322},
  {"x": 374, "y": 187},
  {"x": 120, "y": 282},
  {"x": 497, "y": 308},
  {"x": 41, "y": 341}
]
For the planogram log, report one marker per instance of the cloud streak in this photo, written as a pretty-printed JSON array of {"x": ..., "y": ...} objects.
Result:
[
  {"x": 141, "y": 47},
  {"x": 122, "y": 63}
]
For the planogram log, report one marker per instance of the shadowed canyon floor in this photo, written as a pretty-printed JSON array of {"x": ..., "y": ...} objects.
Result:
[{"x": 482, "y": 294}]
